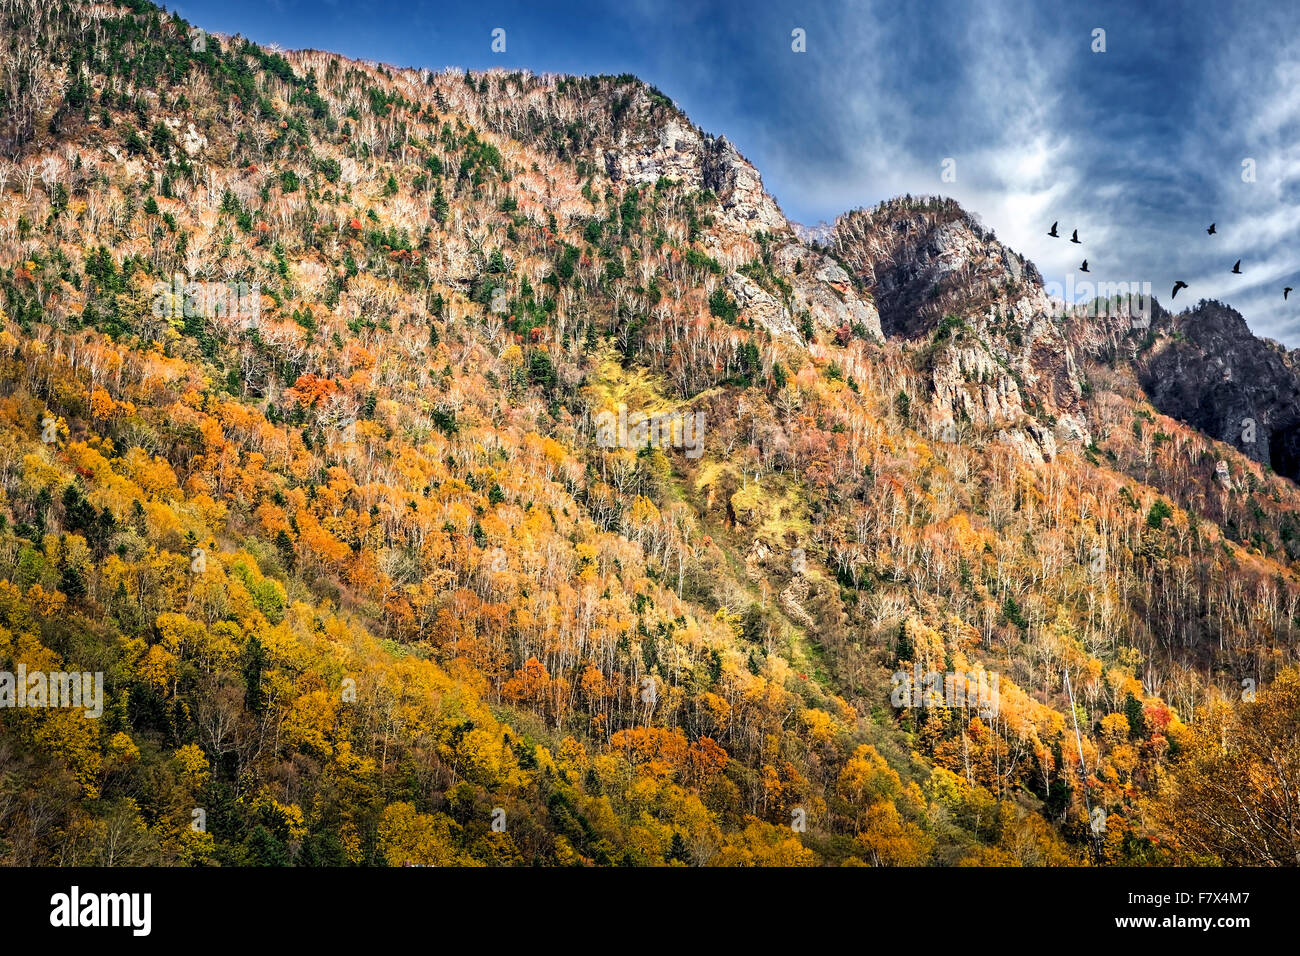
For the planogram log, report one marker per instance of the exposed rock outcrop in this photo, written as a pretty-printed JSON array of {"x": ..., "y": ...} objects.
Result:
[
  {"x": 997, "y": 354},
  {"x": 1205, "y": 367},
  {"x": 643, "y": 153},
  {"x": 680, "y": 152}
]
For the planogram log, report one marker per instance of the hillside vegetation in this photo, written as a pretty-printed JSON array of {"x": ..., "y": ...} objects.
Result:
[{"x": 367, "y": 590}]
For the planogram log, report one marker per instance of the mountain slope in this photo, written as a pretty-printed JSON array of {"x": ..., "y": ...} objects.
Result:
[{"x": 338, "y": 516}]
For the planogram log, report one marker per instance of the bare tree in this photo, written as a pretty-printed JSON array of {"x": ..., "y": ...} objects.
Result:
[
  {"x": 29, "y": 174},
  {"x": 26, "y": 81}
]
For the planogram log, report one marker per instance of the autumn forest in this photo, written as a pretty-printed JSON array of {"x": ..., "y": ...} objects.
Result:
[{"x": 301, "y": 365}]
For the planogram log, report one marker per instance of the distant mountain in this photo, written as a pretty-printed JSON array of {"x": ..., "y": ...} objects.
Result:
[
  {"x": 1206, "y": 368},
  {"x": 819, "y": 234}
]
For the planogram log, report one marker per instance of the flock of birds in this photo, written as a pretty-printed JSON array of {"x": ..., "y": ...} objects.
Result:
[{"x": 1180, "y": 284}]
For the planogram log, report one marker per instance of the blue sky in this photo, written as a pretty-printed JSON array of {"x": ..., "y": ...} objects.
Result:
[{"x": 1139, "y": 147}]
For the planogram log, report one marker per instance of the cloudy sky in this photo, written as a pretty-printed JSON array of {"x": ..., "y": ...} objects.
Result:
[{"x": 1140, "y": 147}]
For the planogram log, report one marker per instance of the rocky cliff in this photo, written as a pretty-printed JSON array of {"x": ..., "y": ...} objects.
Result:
[
  {"x": 995, "y": 351},
  {"x": 1205, "y": 367}
]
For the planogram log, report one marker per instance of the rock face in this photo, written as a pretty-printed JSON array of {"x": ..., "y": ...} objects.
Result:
[
  {"x": 819, "y": 289},
  {"x": 643, "y": 151},
  {"x": 820, "y": 234},
  {"x": 832, "y": 299},
  {"x": 761, "y": 305},
  {"x": 995, "y": 349},
  {"x": 1206, "y": 368},
  {"x": 191, "y": 140},
  {"x": 740, "y": 188},
  {"x": 924, "y": 259},
  {"x": 678, "y": 151},
  {"x": 675, "y": 154}
]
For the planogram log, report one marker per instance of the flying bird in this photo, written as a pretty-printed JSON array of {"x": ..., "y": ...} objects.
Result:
[
  {"x": 1211, "y": 229},
  {"x": 1286, "y": 292},
  {"x": 1075, "y": 237},
  {"x": 1052, "y": 232},
  {"x": 1237, "y": 268},
  {"x": 1180, "y": 284},
  {"x": 1084, "y": 267}
]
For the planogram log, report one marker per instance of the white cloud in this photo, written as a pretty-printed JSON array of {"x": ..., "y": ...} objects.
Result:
[{"x": 1036, "y": 139}]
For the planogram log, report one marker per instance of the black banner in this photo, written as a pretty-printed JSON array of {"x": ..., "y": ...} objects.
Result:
[{"x": 132, "y": 906}]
